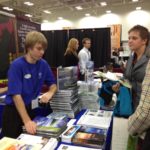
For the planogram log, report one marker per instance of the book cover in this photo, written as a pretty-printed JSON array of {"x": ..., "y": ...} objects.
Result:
[
  {"x": 69, "y": 133},
  {"x": 53, "y": 123},
  {"x": 93, "y": 130},
  {"x": 67, "y": 77},
  {"x": 89, "y": 139}
]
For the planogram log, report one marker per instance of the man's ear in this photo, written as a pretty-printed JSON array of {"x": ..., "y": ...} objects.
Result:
[{"x": 145, "y": 41}]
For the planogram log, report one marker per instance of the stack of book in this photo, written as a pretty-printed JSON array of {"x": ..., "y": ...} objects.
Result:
[
  {"x": 66, "y": 99},
  {"x": 51, "y": 126},
  {"x": 85, "y": 136},
  {"x": 89, "y": 100}
]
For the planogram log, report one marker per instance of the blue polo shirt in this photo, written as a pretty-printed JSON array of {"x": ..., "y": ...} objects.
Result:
[{"x": 27, "y": 79}]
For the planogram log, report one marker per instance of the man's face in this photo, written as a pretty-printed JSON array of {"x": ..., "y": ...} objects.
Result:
[
  {"x": 135, "y": 42},
  {"x": 36, "y": 52},
  {"x": 77, "y": 45},
  {"x": 87, "y": 44}
]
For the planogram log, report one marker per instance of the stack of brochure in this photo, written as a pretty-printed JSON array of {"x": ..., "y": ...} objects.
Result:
[
  {"x": 52, "y": 125},
  {"x": 66, "y": 99},
  {"x": 47, "y": 144},
  {"x": 15, "y": 144},
  {"x": 28, "y": 142},
  {"x": 85, "y": 136},
  {"x": 96, "y": 118}
]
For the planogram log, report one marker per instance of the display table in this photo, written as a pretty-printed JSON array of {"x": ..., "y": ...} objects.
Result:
[
  {"x": 47, "y": 110},
  {"x": 109, "y": 133}
]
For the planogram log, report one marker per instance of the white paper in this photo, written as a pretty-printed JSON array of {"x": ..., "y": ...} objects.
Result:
[
  {"x": 120, "y": 134},
  {"x": 96, "y": 118},
  {"x": 70, "y": 147},
  {"x": 71, "y": 122},
  {"x": 35, "y": 103}
]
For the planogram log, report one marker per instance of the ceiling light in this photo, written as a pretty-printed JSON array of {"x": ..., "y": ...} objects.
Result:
[
  {"x": 60, "y": 18},
  {"x": 87, "y": 15},
  {"x": 138, "y": 8},
  {"x": 79, "y": 8},
  {"x": 135, "y": 0},
  {"x": 29, "y": 3},
  {"x": 103, "y": 4},
  {"x": 28, "y": 15},
  {"x": 8, "y": 8},
  {"x": 108, "y": 11},
  {"x": 47, "y": 11}
]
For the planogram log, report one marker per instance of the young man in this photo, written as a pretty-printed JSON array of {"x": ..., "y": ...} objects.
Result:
[
  {"x": 84, "y": 56},
  {"x": 25, "y": 79}
]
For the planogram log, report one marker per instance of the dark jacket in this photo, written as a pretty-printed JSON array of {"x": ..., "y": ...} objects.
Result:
[
  {"x": 70, "y": 60},
  {"x": 146, "y": 142},
  {"x": 135, "y": 74}
]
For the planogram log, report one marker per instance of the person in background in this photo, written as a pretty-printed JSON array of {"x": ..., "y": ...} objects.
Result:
[
  {"x": 71, "y": 56},
  {"x": 137, "y": 62},
  {"x": 84, "y": 56},
  {"x": 26, "y": 76},
  {"x": 3, "y": 90}
]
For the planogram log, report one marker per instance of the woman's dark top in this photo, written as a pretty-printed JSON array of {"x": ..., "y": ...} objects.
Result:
[{"x": 70, "y": 60}]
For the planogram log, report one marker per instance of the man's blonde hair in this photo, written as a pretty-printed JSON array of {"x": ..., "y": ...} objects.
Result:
[{"x": 34, "y": 37}]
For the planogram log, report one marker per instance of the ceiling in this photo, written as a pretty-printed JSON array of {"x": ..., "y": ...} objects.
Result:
[{"x": 63, "y": 8}]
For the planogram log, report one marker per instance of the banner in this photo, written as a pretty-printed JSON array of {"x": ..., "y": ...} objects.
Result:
[
  {"x": 7, "y": 43},
  {"x": 23, "y": 27},
  {"x": 115, "y": 31}
]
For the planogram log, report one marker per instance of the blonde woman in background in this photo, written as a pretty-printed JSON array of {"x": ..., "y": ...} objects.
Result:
[{"x": 71, "y": 56}]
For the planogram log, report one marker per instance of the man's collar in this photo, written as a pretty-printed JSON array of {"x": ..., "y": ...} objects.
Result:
[{"x": 85, "y": 48}]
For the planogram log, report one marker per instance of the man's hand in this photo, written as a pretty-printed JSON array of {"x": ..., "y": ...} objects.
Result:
[
  {"x": 30, "y": 127},
  {"x": 45, "y": 98},
  {"x": 116, "y": 87}
]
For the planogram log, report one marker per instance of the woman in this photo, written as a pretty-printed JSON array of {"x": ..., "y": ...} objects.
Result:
[
  {"x": 136, "y": 65},
  {"x": 137, "y": 62},
  {"x": 71, "y": 57}
]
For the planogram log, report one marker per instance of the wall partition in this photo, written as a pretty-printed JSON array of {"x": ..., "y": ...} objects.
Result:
[{"x": 58, "y": 39}]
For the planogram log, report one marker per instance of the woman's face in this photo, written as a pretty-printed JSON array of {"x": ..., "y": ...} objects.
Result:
[
  {"x": 135, "y": 42},
  {"x": 77, "y": 45}
]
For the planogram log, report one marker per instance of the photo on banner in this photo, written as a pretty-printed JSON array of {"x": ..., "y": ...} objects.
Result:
[
  {"x": 7, "y": 43},
  {"x": 115, "y": 31}
]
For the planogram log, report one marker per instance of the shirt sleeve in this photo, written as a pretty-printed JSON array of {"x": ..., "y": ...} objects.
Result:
[
  {"x": 49, "y": 79},
  {"x": 140, "y": 120},
  {"x": 14, "y": 80},
  {"x": 82, "y": 62}
]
